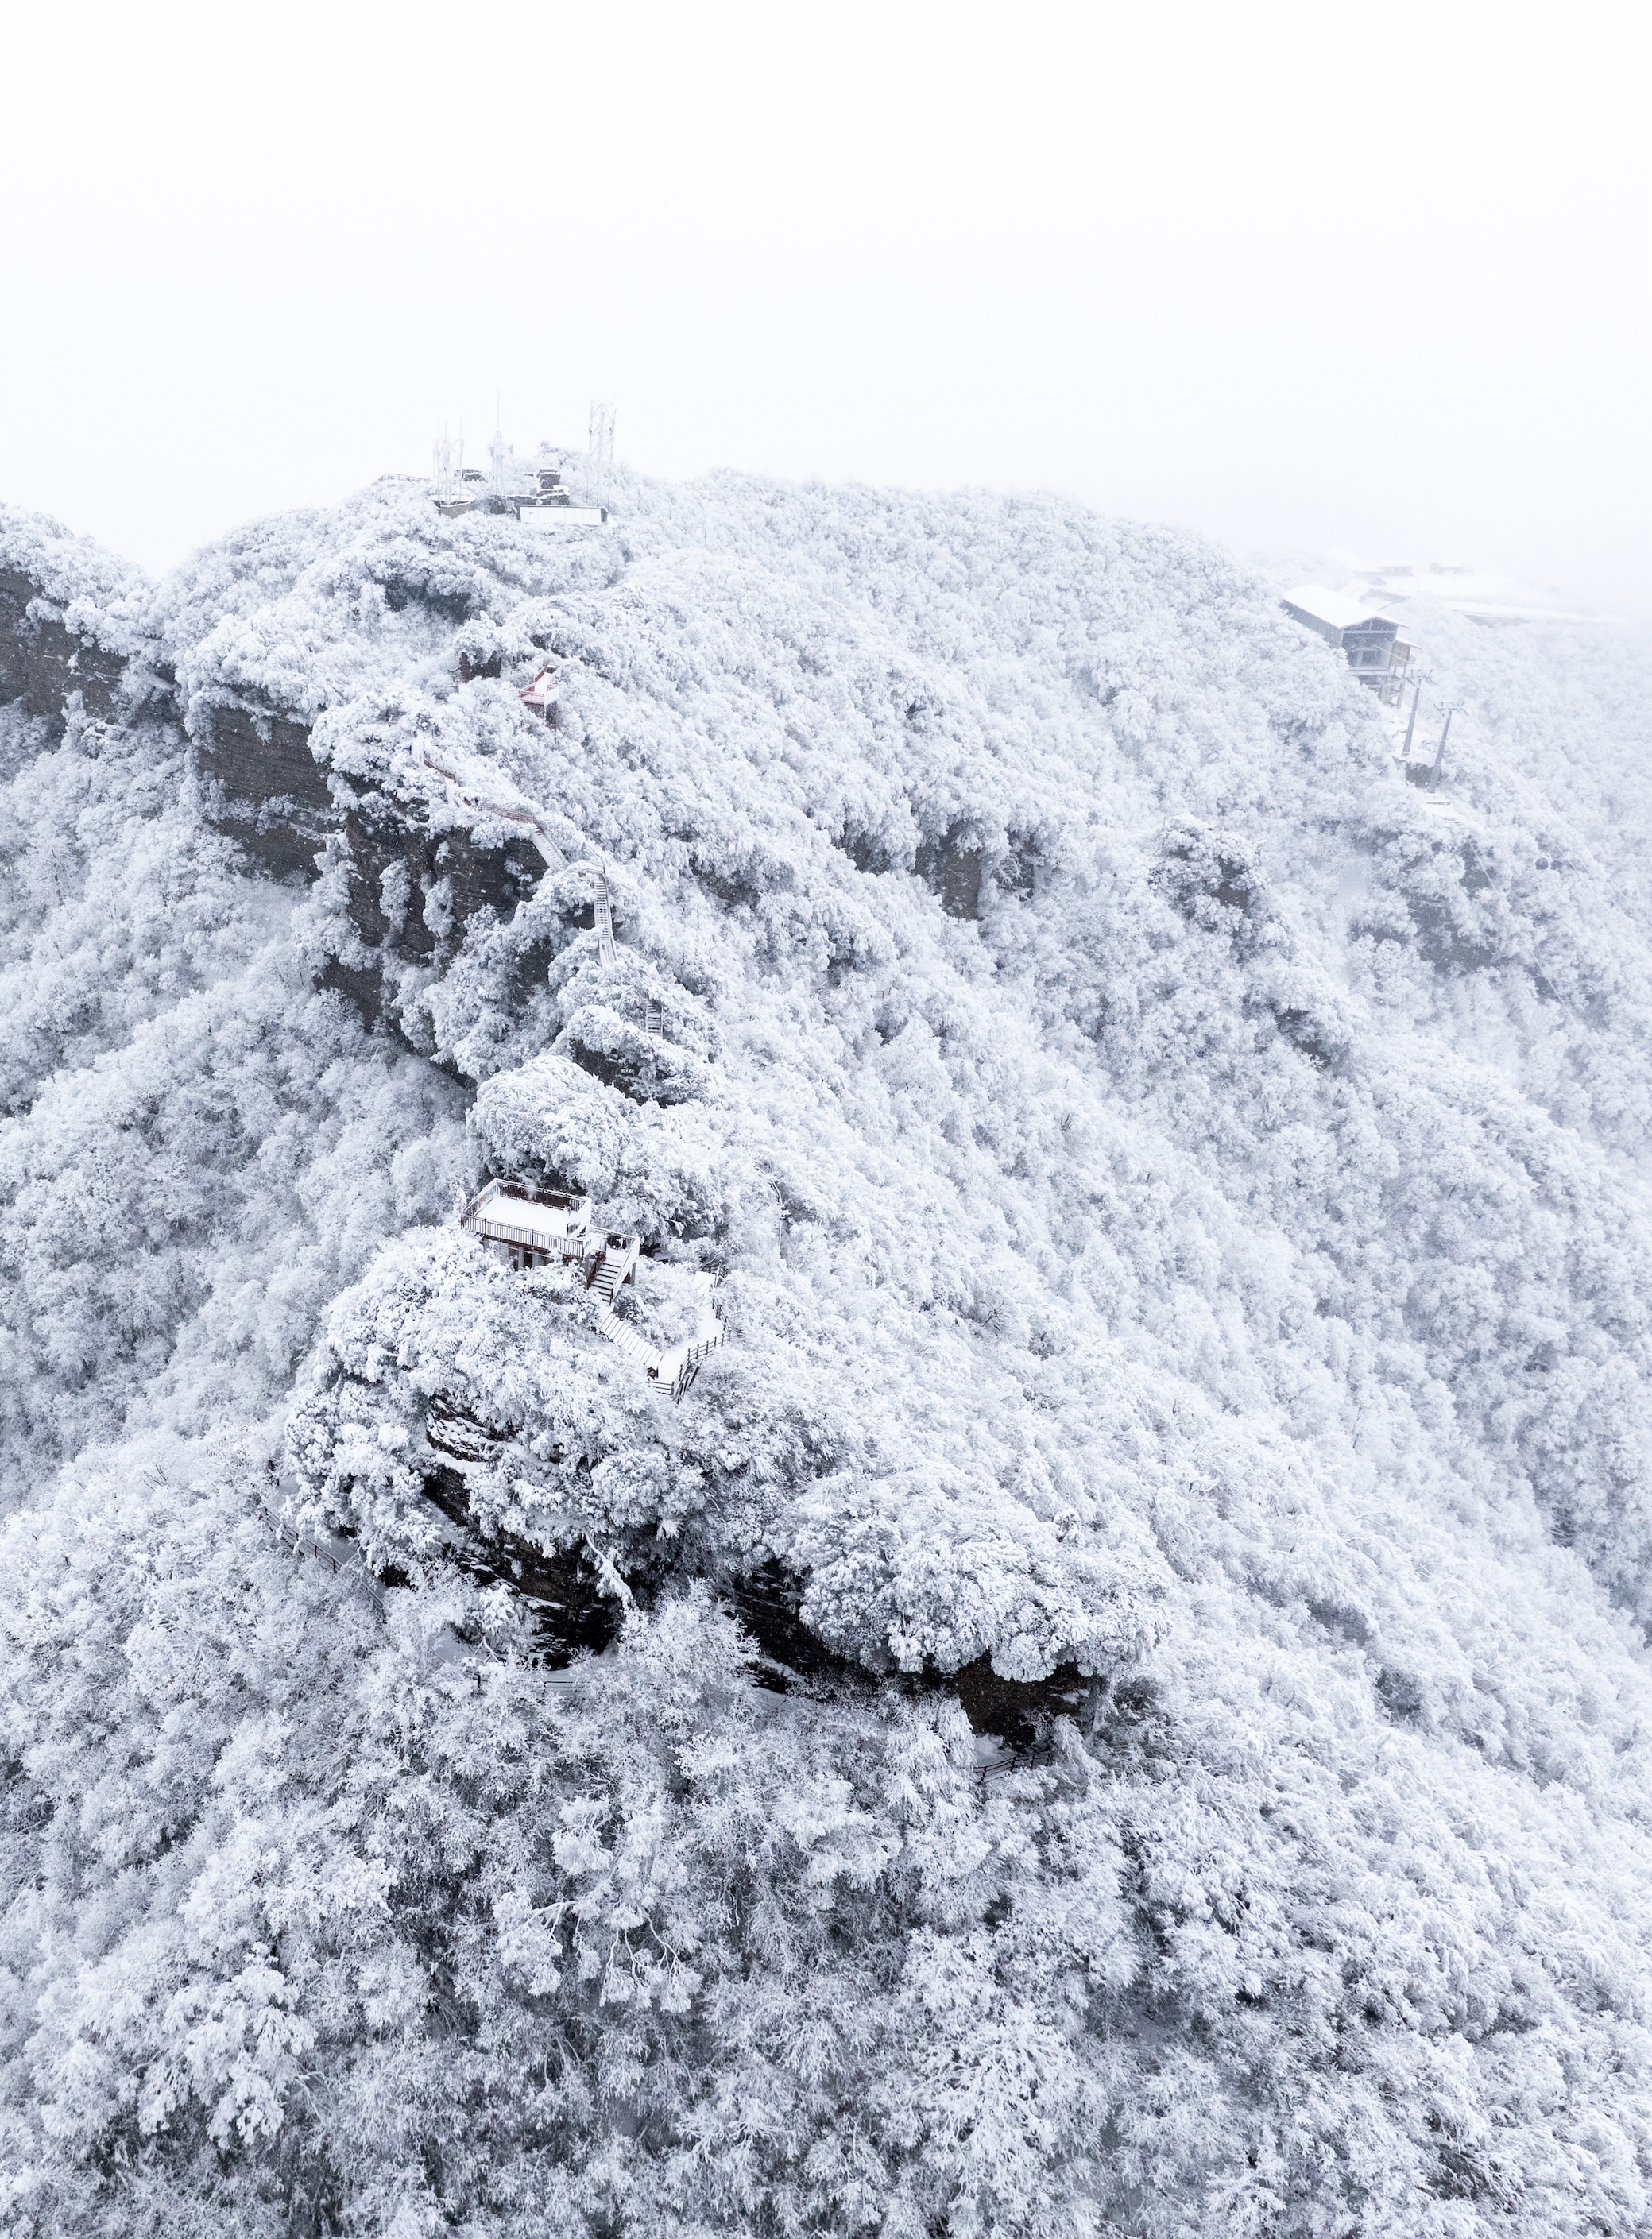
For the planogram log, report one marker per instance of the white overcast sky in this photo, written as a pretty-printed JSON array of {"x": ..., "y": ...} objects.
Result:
[{"x": 1369, "y": 280}]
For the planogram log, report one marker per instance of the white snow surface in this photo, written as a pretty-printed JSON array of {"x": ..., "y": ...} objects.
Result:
[
  {"x": 1184, "y": 1203},
  {"x": 524, "y": 1220},
  {"x": 1342, "y": 609}
]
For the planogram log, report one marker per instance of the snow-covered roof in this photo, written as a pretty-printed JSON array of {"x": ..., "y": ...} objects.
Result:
[{"x": 1338, "y": 609}]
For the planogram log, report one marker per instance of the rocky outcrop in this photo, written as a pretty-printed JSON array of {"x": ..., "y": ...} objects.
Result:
[
  {"x": 575, "y": 1611},
  {"x": 1022, "y": 1712},
  {"x": 44, "y": 663},
  {"x": 412, "y": 890},
  {"x": 951, "y": 867},
  {"x": 264, "y": 787}
]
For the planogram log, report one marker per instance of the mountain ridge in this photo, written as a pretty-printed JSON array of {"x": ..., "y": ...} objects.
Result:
[{"x": 1182, "y": 1195}]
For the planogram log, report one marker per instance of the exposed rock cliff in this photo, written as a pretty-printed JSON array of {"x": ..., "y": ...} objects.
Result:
[{"x": 81, "y": 638}]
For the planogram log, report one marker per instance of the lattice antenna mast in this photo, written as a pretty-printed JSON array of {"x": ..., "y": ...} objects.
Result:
[{"x": 599, "y": 450}]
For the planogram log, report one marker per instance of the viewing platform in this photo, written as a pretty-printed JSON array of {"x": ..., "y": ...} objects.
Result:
[
  {"x": 528, "y": 1227},
  {"x": 531, "y": 1228}
]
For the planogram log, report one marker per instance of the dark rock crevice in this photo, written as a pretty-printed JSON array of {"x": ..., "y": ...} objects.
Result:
[
  {"x": 950, "y": 868},
  {"x": 572, "y": 1615}
]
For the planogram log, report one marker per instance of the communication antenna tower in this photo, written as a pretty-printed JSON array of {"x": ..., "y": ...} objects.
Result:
[{"x": 599, "y": 450}]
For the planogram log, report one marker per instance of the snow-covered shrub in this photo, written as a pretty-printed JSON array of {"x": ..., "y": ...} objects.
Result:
[{"x": 553, "y": 1123}]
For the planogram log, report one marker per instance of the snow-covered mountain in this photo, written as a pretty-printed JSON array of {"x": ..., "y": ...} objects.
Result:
[{"x": 1119, "y": 1701}]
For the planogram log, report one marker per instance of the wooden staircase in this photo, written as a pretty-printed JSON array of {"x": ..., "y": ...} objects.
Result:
[
  {"x": 677, "y": 1369},
  {"x": 614, "y": 1265}
]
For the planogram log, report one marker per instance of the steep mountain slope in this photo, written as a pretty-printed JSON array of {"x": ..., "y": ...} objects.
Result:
[{"x": 1182, "y": 1455}]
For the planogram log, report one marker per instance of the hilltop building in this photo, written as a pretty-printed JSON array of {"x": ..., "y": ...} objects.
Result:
[
  {"x": 1371, "y": 640},
  {"x": 535, "y": 493}
]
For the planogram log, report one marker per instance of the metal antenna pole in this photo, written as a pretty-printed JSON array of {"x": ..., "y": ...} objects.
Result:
[
  {"x": 1439, "y": 751},
  {"x": 600, "y": 449}
]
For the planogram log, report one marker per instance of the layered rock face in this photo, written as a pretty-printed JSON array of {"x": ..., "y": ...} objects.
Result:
[
  {"x": 80, "y": 642},
  {"x": 42, "y": 663},
  {"x": 265, "y": 787}
]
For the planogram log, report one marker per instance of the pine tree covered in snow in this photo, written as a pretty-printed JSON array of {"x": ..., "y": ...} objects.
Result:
[{"x": 1119, "y": 1700}]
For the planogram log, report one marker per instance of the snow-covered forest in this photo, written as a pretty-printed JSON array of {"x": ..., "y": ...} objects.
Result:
[{"x": 1119, "y": 1703}]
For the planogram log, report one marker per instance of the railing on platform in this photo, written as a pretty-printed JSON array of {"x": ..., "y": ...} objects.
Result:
[
  {"x": 677, "y": 1368},
  {"x": 609, "y": 1261}
]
